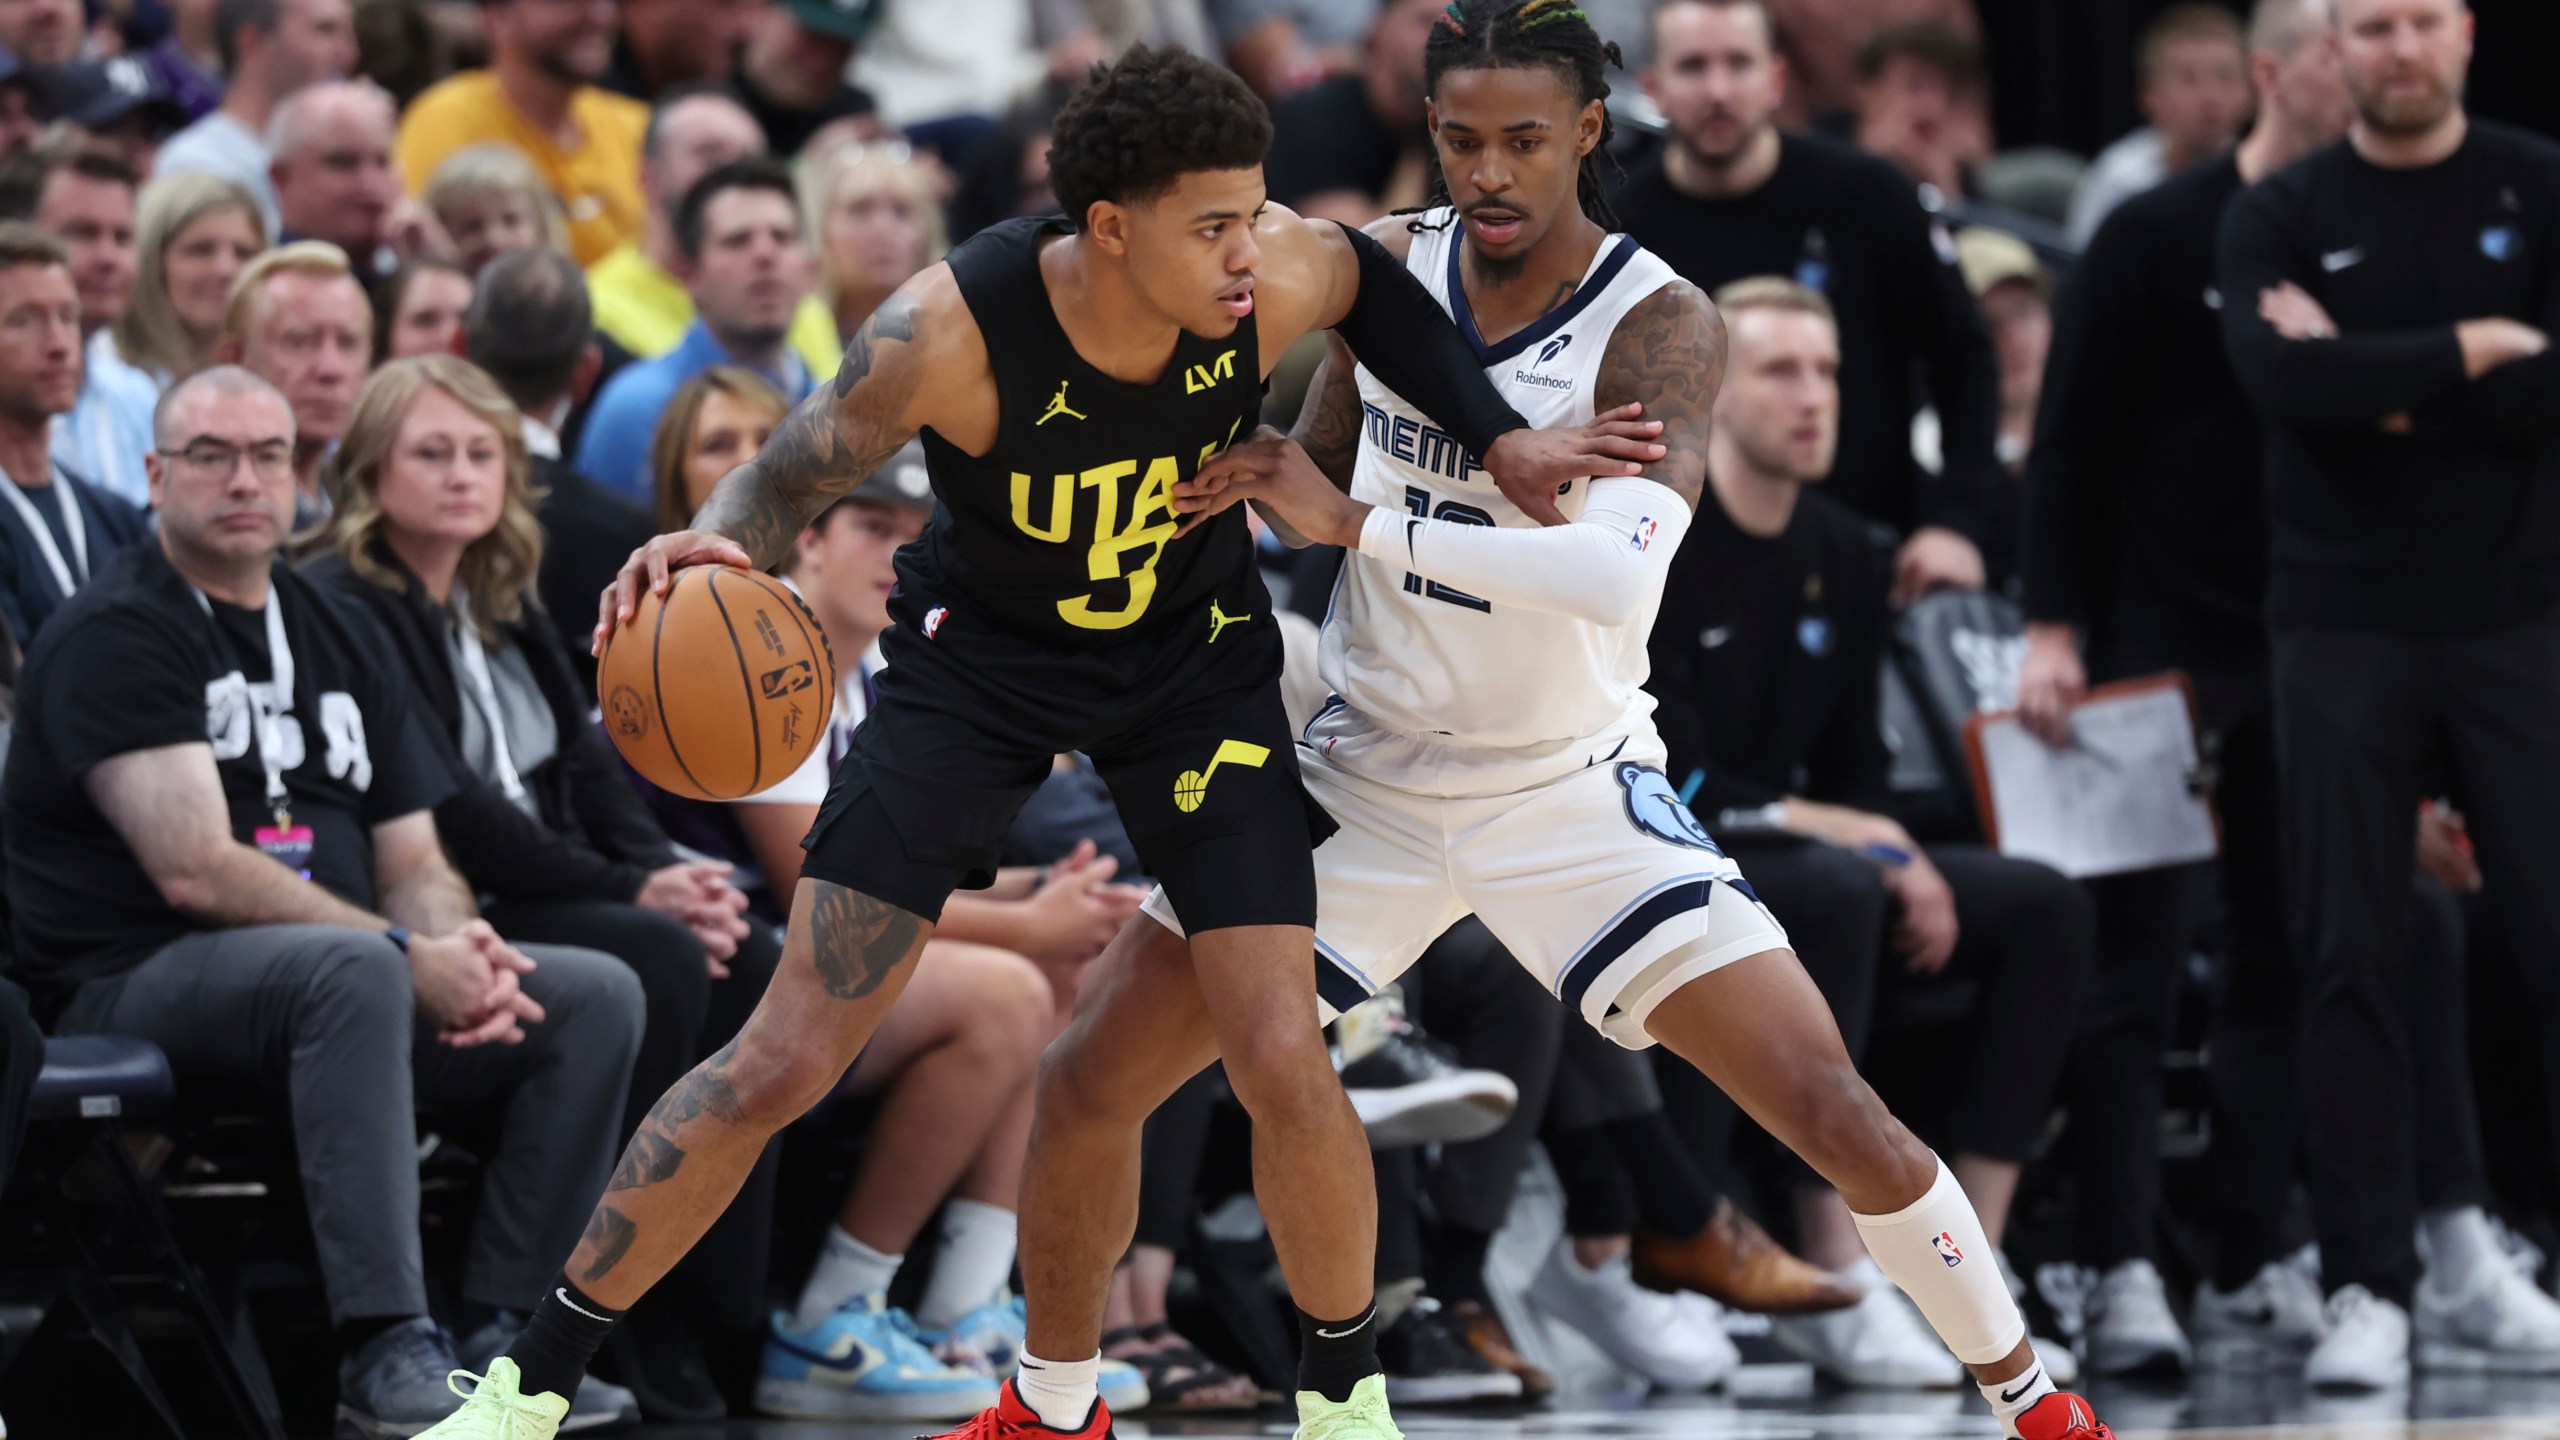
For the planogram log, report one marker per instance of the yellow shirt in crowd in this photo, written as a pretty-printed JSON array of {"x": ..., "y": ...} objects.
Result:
[
  {"x": 646, "y": 310},
  {"x": 598, "y": 182}
]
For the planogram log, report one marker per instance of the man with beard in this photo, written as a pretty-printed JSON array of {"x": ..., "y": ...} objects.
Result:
[
  {"x": 1730, "y": 197},
  {"x": 2388, "y": 304},
  {"x": 540, "y": 95}
]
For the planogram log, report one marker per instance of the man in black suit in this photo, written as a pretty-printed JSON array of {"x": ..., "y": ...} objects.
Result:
[{"x": 530, "y": 327}]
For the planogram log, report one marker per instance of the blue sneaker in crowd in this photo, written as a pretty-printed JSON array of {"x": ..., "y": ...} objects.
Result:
[
  {"x": 864, "y": 1362},
  {"x": 989, "y": 1339}
]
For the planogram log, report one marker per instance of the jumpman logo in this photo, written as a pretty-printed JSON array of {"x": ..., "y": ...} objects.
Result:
[
  {"x": 1058, "y": 406},
  {"x": 1219, "y": 620}
]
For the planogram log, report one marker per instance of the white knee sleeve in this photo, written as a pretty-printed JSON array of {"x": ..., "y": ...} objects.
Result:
[{"x": 1936, "y": 1251}]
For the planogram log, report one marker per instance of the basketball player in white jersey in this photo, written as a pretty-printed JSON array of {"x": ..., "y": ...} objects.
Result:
[{"x": 1489, "y": 747}]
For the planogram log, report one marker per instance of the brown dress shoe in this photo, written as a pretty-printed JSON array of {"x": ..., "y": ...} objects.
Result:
[
  {"x": 1484, "y": 1333},
  {"x": 1734, "y": 1262}
]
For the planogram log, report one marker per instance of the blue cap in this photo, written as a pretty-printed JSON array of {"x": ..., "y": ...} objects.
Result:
[{"x": 101, "y": 93}]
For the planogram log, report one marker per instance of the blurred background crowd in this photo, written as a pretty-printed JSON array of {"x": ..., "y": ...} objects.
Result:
[{"x": 439, "y": 309}]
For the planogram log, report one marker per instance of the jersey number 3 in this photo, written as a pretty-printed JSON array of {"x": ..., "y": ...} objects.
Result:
[{"x": 1418, "y": 500}]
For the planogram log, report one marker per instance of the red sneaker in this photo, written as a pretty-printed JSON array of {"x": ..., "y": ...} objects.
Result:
[
  {"x": 2058, "y": 1416},
  {"x": 1013, "y": 1420}
]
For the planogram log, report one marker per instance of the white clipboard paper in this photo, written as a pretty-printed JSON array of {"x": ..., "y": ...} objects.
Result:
[{"x": 2122, "y": 797}]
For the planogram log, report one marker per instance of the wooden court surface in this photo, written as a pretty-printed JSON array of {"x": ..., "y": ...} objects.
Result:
[{"x": 2212, "y": 1408}]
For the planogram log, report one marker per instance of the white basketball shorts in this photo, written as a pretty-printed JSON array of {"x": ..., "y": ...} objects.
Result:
[{"x": 1599, "y": 881}]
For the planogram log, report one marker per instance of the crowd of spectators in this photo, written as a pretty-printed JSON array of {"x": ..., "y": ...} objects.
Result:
[{"x": 346, "y": 350}]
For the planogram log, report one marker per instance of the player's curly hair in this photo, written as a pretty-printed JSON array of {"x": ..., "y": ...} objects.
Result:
[
  {"x": 1518, "y": 34},
  {"x": 1143, "y": 122}
]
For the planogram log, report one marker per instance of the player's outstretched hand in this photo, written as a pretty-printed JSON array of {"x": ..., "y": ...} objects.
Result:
[
  {"x": 1530, "y": 466},
  {"x": 648, "y": 569},
  {"x": 1271, "y": 470}
]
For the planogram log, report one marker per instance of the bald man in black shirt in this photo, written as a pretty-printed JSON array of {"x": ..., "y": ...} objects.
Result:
[
  {"x": 2389, "y": 303},
  {"x": 1731, "y": 197}
]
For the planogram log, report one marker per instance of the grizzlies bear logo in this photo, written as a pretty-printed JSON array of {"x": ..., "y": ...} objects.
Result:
[{"x": 1655, "y": 809}]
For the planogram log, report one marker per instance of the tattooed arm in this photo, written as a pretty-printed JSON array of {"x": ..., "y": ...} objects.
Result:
[
  {"x": 1328, "y": 430},
  {"x": 907, "y": 367},
  {"x": 1667, "y": 355}
]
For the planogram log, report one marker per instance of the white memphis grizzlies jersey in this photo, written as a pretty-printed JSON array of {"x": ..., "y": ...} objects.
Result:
[{"x": 1427, "y": 660}]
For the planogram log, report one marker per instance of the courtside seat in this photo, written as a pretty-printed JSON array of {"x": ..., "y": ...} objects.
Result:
[{"x": 100, "y": 1077}]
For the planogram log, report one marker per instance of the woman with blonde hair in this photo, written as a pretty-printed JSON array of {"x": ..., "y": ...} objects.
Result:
[
  {"x": 716, "y": 422},
  {"x": 193, "y": 235},
  {"x": 875, "y": 217},
  {"x": 491, "y": 200},
  {"x": 435, "y": 537}
]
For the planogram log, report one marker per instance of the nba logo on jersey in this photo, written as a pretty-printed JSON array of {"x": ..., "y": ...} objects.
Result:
[
  {"x": 1946, "y": 1247},
  {"x": 933, "y": 619}
]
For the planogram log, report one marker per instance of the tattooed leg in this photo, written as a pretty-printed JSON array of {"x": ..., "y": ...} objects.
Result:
[{"x": 847, "y": 959}]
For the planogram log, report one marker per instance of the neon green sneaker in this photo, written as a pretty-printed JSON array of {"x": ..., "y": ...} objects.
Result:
[
  {"x": 1363, "y": 1417},
  {"x": 493, "y": 1409}
]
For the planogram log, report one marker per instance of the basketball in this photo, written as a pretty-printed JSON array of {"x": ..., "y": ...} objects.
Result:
[{"x": 721, "y": 687}]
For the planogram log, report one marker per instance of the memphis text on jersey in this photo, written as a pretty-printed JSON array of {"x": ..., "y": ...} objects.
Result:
[
  {"x": 1418, "y": 443},
  {"x": 1122, "y": 541}
]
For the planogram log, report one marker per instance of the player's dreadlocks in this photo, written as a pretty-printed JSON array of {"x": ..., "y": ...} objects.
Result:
[
  {"x": 1517, "y": 34},
  {"x": 1145, "y": 121}
]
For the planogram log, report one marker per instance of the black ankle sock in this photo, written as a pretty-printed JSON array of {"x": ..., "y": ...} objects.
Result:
[
  {"x": 565, "y": 1332},
  {"x": 1673, "y": 1195},
  {"x": 1335, "y": 1355}
]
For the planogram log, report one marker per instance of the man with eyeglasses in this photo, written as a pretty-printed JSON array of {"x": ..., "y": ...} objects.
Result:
[
  {"x": 56, "y": 529},
  {"x": 219, "y": 837}
]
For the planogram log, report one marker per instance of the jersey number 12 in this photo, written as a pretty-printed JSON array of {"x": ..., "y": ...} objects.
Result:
[{"x": 1418, "y": 500}]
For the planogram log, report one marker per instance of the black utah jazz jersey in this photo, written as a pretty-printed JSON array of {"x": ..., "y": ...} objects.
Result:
[{"x": 1064, "y": 530}]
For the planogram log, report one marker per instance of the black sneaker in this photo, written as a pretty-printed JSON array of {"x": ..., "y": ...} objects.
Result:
[
  {"x": 1428, "y": 1363},
  {"x": 1409, "y": 1088}
]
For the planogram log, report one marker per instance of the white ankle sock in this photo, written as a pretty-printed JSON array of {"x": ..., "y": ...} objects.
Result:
[
  {"x": 971, "y": 1264},
  {"x": 2012, "y": 1398},
  {"x": 1935, "y": 1250},
  {"x": 1060, "y": 1392},
  {"x": 846, "y": 1268},
  {"x": 2459, "y": 1243}
]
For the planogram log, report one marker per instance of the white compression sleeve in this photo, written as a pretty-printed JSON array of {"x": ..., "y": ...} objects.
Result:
[
  {"x": 1935, "y": 1250},
  {"x": 1601, "y": 568}
]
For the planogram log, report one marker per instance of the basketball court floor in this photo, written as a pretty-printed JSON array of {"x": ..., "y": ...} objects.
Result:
[{"x": 2213, "y": 1408}]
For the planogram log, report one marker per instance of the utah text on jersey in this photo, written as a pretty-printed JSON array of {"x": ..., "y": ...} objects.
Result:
[{"x": 1122, "y": 543}]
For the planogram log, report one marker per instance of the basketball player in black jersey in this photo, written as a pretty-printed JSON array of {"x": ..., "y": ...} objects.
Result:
[{"x": 1065, "y": 376}]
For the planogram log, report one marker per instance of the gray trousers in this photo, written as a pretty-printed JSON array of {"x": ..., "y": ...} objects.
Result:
[{"x": 324, "y": 1019}]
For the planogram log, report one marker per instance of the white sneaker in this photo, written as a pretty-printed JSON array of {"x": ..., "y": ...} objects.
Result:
[
  {"x": 2495, "y": 1321},
  {"x": 2274, "y": 1320},
  {"x": 1880, "y": 1343},
  {"x": 1701, "y": 1321},
  {"x": 2131, "y": 1329},
  {"x": 2367, "y": 1347},
  {"x": 1643, "y": 1330}
]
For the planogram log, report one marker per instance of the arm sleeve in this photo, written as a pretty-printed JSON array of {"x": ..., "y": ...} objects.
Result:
[
  {"x": 2520, "y": 403},
  {"x": 2099, "y": 334},
  {"x": 1408, "y": 342},
  {"x": 1602, "y": 568},
  {"x": 2353, "y": 382}
]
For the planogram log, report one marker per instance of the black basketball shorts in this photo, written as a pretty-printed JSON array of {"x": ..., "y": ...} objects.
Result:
[{"x": 1186, "y": 727}]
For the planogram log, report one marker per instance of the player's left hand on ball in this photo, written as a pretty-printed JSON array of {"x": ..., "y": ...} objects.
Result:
[
  {"x": 649, "y": 570},
  {"x": 1530, "y": 466}
]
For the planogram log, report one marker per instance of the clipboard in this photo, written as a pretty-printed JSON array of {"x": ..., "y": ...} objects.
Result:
[{"x": 2127, "y": 795}]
